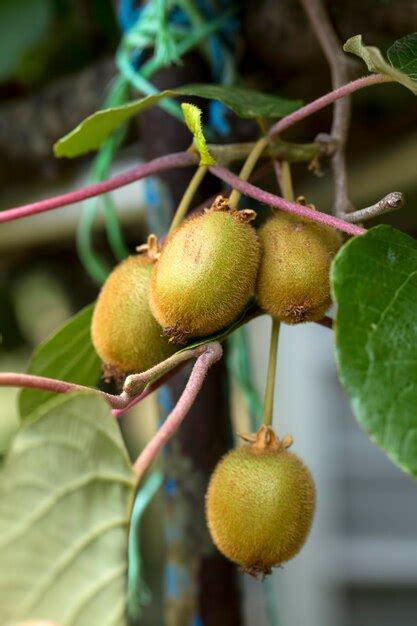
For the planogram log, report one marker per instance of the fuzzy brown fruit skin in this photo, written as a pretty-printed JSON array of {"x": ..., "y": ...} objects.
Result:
[
  {"x": 206, "y": 273},
  {"x": 260, "y": 504},
  {"x": 124, "y": 332},
  {"x": 293, "y": 280}
]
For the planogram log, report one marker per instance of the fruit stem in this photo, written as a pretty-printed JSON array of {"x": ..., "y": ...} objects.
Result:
[
  {"x": 272, "y": 369},
  {"x": 247, "y": 168},
  {"x": 286, "y": 182},
  {"x": 188, "y": 197},
  {"x": 288, "y": 193}
]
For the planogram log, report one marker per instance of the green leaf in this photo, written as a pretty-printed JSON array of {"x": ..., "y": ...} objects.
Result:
[
  {"x": 245, "y": 102},
  {"x": 94, "y": 130},
  {"x": 374, "y": 282},
  {"x": 376, "y": 62},
  {"x": 192, "y": 116},
  {"x": 403, "y": 55},
  {"x": 66, "y": 491},
  {"x": 67, "y": 355},
  {"x": 23, "y": 23}
]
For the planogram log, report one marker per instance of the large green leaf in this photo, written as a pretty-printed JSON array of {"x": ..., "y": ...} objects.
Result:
[
  {"x": 374, "y": 282},
  {"x": 247, "y": 103},
  {"x": 376, "y": 62},
  {"x": 403, "y": 55},
  {"x": 66, "y": 491},
  {"x": 67, "y": 355}
]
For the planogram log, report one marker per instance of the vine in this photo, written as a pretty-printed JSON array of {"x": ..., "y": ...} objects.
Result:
[{"x": 224, "y": 259}]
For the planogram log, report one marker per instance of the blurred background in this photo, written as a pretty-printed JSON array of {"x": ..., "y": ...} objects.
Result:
[{"x": 57, "y": 65}]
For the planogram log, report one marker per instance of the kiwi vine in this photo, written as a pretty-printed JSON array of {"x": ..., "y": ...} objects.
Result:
[{"x": 176, "y": 300}]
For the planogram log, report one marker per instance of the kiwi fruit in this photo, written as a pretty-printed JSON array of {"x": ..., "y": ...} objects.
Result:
[
  {"x": 124, "y": 332},
  {"x": 293, "y": 280},
  {"x": 206, "y": 272},
  {"x": 260, "y": 503}
]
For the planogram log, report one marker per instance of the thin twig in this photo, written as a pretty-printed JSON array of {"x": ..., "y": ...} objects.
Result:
[
  {"x": 338, "y": 63},
  {"x": 171, "y": 161},
  {"x": 136, "y": 387},
  {"x": 391, "y": 202},
  {"x": 180, "y": 159},
  {"x": 290, "y": 207},
  {"x": 136, "y": 383},
  {"x": 148, "y": 390},
  {"x": 278, "y": 173},
  {"x": 292, "y": 152},
  {"x": 28, "y": 381},
  {"x": 212, "y": 353},
  {"x": 326, "y": 100}
]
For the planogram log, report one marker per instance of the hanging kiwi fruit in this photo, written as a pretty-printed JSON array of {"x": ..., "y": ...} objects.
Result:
[
  {"x": 293, "y": 282},
  {"x": 260, "y": 503},
  {"x": 206, "y": 272},
  {"x": 124, "y": 332}
]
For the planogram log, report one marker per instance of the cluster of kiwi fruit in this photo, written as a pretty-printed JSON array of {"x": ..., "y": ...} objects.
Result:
[
  {"x": 260, "y": 500},
  {"x": 207, "y": 272}
]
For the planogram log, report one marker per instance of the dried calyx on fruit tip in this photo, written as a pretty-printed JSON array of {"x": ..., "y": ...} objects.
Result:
[
  {"x": 293, "y": 282},
  {"x": 222, "y": 204},
  {"x": 206, "y": 273},
  {"x": 124, "y": 332},
  {"x": 260, "y": 503},
  {"x": 151, "y": 248},
  {"x": 265, "y": 439}
]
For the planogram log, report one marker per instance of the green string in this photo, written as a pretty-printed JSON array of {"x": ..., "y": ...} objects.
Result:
[
  {"x": 165, "y": 45},
  {"x": 197, "y": 37},
  {"x": 93, "y": 263},
  {"x": 149, "y": 32},
  {"x": 144, "y": 86},
  {"x": 170, "y": 42},
  {"x": 138, "y": 593},
  {"x": 238, "y": 363}
]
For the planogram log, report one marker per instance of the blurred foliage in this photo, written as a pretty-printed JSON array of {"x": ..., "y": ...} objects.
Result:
[
  {"x": 68, "y": 354},
  {"x": 49, "y": 304},
  {"x": 10, "y": 335},
  {"x": 9, "y": 414},
  {"x": 43, "y": 39},
  {"x": 16, "y": 37}
]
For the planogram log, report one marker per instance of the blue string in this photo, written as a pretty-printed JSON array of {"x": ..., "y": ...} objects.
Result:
[
  {"x": 128, "y": 14},
  {"x": 221, "y": 48}
]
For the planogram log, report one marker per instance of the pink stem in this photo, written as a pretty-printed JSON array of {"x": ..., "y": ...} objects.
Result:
[
  {"x": 9, "y": 379},
  {"x": 179, "y": 159},
  {"x": 325, "y": 100},
  {"x": 212, "y": 354},
  {"x": 290, "y": 207}
]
